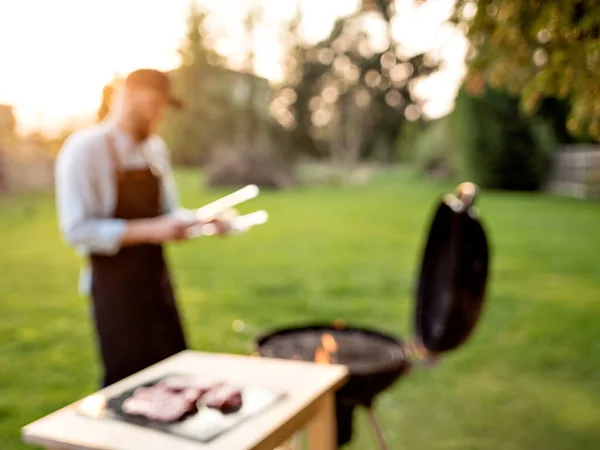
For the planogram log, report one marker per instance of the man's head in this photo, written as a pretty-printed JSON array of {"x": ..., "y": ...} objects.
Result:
[{"x": 145, "y": 95}]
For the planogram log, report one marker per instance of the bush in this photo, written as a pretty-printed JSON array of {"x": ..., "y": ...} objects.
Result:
[
  {"x": 240, "y": 167},
  {"x": 502, "y": 147},
  {"x": 434, "y": 150}
]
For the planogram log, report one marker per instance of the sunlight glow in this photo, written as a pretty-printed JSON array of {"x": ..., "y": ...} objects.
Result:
[{"x": 57, "y": 55}]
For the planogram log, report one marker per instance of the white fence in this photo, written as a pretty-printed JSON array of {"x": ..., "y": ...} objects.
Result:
[{"x": 576, "y": 171}]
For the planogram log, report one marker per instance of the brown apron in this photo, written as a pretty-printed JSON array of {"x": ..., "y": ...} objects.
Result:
[{"x": 136, "y": 316}]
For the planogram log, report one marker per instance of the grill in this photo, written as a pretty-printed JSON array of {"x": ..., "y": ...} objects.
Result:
[
  {"x": 367, "y": 353},
  {"x": 452, "y": 286},
  {"x": 375, "y": 361}
]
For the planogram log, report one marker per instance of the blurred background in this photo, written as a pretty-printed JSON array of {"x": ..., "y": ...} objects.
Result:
[{"x": 355, "y": 117}]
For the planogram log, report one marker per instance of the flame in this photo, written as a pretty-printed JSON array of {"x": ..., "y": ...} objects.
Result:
[
  {"x": 324, "y": 351},
  {"x": 329, "y": 343},
  {"x": 322, "y": 356}
]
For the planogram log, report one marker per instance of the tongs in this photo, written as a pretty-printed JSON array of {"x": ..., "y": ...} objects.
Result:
[{"x": 205, "y": 219}]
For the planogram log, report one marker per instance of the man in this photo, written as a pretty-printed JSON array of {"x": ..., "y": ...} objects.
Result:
[{"x": 117, "y": 203}]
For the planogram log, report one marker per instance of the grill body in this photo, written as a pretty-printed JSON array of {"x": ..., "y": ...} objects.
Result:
[{"x": 375, "y": 361}]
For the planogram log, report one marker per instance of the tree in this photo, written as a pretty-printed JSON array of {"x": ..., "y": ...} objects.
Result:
[
  {"x": 538, "y": 49},
  {"x": 193, "y": 134},
  {"x": 250, "y": 115},
  {"x": 348, "y": 96},
  {"x": 289, "y": 104}
]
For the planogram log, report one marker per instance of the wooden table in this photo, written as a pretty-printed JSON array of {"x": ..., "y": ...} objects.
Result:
[{"x": 309, "y": 403}]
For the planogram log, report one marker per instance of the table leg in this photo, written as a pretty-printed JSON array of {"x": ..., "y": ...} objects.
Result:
[
  {"x": 294, "y": 443},
  {"x": 322, "y": 433}
]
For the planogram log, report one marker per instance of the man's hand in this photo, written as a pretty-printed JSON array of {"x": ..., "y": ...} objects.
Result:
[
  {"x": 212, "y": 227},
  {"x": 221, "y": 227},
  {"x": 158, "y": 230},
  {"x": 167, "y": 229}
]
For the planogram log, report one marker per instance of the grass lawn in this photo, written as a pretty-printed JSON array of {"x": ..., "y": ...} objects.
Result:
[{"x": 529, "y": 378}]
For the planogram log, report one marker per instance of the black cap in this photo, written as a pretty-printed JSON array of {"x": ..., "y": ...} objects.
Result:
[{"x": 153, "y": 79}]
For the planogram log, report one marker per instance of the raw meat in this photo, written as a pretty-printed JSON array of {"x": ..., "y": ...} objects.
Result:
[
  {"x": 173, "y": 398},
  {"x": 224, "y": 398},
  {"x": 140, "y": 402},
  {"x": 170, "y": 408},
  {"x": 191, "y": 390},
  {"x": 160, "y": 403}
]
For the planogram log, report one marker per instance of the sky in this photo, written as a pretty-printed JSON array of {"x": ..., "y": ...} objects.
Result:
[{"x": 56, "y": 55}]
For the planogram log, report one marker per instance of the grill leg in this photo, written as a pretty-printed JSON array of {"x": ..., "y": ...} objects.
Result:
[{"x": 376, "y": 429}]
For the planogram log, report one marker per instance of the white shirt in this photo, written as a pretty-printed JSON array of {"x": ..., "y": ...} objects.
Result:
[{"x": 86, "y": 190}]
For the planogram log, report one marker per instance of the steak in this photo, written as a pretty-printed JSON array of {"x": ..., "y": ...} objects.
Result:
[
  {"x": 224, "y": 398},
  {"x": 171, "y": 408},
  {"x": 161, "y": 404},
  {"x": 187, "y": 388},
  {"x": 172, "y": 399}
]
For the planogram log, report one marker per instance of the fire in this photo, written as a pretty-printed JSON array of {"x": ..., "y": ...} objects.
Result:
[
  {"x": 322, "y": 356},
  {"x": 329, "y": 343},
  {"x": 328, "y": 347}
]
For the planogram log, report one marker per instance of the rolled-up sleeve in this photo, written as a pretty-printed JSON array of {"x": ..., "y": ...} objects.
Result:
[
  {"x": 80, "y": 220},
  {"x": 170, "y": 197}
]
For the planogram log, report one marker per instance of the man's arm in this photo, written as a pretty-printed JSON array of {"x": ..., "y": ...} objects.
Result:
[
  {"x": 78, "y": 200},
  {"x": 78, "y": 207}
]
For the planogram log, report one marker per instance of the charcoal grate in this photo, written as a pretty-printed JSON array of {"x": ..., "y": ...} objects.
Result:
[{"x": 363, "y": 352}]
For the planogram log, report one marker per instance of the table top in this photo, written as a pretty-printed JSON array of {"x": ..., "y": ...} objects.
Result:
[{"x": 304, "y": 384}]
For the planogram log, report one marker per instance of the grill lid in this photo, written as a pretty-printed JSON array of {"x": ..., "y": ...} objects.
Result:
[{"x": 452, "y": 283}]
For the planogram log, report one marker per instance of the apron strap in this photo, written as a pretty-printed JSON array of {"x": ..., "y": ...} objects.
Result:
[
  {"x": 112, "y": 152},
  {"x": 118, "y": 167}
]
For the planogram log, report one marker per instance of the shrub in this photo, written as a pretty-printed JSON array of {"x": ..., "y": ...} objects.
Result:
[
  {"x": 434, "y": 149},
  {"x": 240, "y": 167},
  {"x": 502, "y": 147}
]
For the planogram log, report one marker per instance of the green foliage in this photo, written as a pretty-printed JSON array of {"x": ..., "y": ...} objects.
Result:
[
  {"x": 538, "y": 49},
  {"x": 434, "y": 148},
  {"x": 406, "y": 139},
  {"x": 502, "y": 147}
]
